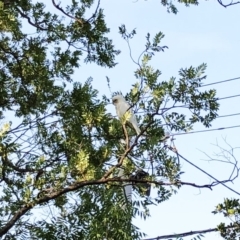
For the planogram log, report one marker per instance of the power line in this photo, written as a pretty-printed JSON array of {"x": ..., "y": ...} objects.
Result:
[
  {"x": 233, "y": 96},
  {"x": 206, "y": 130},
  {"x": 187, "y": 106},
  {"x": 228, "y": 115},
  {"x": 223, "y": 81},
  {"x": 207, "y": 174}
]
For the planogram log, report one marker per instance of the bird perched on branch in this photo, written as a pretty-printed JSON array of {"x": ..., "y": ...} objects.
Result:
[
  {"x": 144, "y": 188},
  {"x": 122, "y": 106}
]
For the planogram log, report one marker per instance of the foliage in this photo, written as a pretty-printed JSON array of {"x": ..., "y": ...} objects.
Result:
[
  {"x": 60, "y": 149},
  {"x": 230, "y": 208},
  {"x": 171, "y": 6}
]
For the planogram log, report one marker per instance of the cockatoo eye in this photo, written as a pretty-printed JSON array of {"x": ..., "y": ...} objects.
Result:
[{"x": 115, "y": 100}]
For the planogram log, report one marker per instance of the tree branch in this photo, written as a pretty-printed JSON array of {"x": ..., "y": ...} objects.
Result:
[
  {"x": 50, "y": 195},
  {"x": 228, "y": 5},
  {"x": 159, "y": 182},
  {"x": 57, "y": 6},
  {"x": 185, "y": 234},
  {"x": 37, "y": 25}
]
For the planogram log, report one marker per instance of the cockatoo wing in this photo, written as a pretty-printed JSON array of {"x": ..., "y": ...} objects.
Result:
[
  {"x": 128, "y": 192},
  {"x": 122, "y": 107},
  {"x": 127, "y": 187},
  {"x": 133, "y": 122}
]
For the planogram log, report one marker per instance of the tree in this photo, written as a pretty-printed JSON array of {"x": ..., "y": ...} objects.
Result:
[{"x": 60, "y": 149}]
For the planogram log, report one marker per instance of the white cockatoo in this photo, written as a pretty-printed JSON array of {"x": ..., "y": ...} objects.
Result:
[{"x": 122, "y": 106}]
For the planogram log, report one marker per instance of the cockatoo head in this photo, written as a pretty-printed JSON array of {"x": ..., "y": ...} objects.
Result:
[{"x": 117, "y": 99}]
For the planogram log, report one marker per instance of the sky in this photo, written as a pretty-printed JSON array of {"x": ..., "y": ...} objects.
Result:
[{"x": 207, "y": 33}]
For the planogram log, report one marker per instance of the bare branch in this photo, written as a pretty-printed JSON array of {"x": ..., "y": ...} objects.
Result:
[
  {"x": 228, "y": 5},
  {"x": 226, "y": 156},
  {"x": 218, "y": 182}
]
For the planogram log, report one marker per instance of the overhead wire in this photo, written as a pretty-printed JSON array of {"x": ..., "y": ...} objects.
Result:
[
  {"x": 228, "y": 115},
  {"x": 222, "y": 116},
  {"x": 186, "y": 106},
  {"x": 233, "y": 96},
  {"x": 216, "y": 129},
  {"x": 206, "y": 130},
  {"x": 223, "y": 81}
]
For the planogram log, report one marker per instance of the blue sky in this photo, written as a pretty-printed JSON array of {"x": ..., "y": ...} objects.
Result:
[{"x": 206, "y": 33}]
